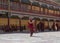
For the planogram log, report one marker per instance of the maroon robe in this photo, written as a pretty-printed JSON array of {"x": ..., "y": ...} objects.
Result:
[{"x": 31, "y": 27}]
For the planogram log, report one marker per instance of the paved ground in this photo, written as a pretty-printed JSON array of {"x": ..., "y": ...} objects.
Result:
[{"x": 42, "y": 37}]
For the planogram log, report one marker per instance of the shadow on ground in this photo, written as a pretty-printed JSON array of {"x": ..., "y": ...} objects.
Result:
[{"x": 26, "y": 32}]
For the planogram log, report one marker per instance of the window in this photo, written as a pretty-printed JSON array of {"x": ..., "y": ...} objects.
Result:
[
  {"x": 34, "y": 8},
  {"x": 25, "y": 7},
  {"x": 55, "y": 12},
  {"x": 4, "y": 1},
  {"x": 41, "y": 10},
  {"x": 46, "y": 10},
  {"x": 4, "y": 4},
  {"x": 15, "y": 6},
  {"x": 51, "y": 11},
  {"x": 58, "y": 12}
]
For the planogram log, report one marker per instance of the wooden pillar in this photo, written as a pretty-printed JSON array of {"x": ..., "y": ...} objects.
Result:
[
  {"x": 20, "y": 5},
  {"x": 43, "y": 10},
  {"x": 31, "y": 8},
  {"x": 40, "y": 10},
  {"x": 9, "y": 13},
  {"x": 20, "y": 23},
  {"x": 8, "y": 20}
]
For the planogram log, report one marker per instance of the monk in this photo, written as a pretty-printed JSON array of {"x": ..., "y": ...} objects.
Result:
[{"x": 31, "y": 27}]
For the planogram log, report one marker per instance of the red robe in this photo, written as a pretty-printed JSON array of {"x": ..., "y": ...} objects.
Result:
[{"x": 31, "y": 27}]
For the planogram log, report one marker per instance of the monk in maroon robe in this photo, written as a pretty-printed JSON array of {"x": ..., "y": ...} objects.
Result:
[{"x": 31, "y": 27}]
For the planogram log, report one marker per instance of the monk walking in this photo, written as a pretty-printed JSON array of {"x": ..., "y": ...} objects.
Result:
[{"x": 31, "y": 27}]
